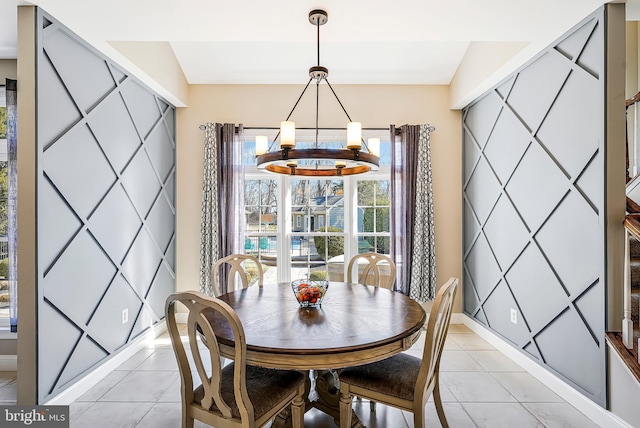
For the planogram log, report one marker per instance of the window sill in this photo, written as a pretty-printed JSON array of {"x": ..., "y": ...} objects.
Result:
[{"x": 5, "y": 333}]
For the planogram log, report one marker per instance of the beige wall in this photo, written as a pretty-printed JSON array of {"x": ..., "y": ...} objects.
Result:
[
  {"x": 157, "y": 60},
  {"x": 484, "y": 64},
  {"x": 373, "y": 105},
  {"x": 8, "y": 69}
]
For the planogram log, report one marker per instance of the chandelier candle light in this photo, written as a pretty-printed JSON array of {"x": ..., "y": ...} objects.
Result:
[{"x": 318, "y": 161}]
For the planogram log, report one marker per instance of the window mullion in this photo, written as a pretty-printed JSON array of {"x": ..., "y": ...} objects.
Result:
[
  {"x": 284, "y": 228},
  {"x": 351, "y": 221}
]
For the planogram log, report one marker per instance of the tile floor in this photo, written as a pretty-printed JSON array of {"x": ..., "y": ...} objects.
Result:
[{"x": 480, "y": 388}]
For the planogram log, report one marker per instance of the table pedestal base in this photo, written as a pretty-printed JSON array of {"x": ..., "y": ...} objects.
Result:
[{"x": 325, "y": 397}]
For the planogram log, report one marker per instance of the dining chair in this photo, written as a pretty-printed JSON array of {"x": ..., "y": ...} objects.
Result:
[
  {"x": 239, "y": 269},
  {"x": 375, "y": 272},
  {"x": 404, "y": 381},
  {"x": 234, "y": 395}
]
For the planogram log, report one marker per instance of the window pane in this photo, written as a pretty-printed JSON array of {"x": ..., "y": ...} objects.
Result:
[
  {"x": 265, "y": 248},
  {"x": 366, "y": 244},
  {"x": 367, "y": 222},
  {"x": 260, "y": 205},
  {"x": 3, "y": 122},
  {"x": 311, "y": 255},
  {"x": 383, "y": 245},
  {"x": 385, "y": 153},
  {"x": 366, "y": 193},
  {"x": 249, "y": 153},
  {"x": 383, "y": 192},
  {"x": 374, "y": 244},
  {"x": 382, "y": 220}
]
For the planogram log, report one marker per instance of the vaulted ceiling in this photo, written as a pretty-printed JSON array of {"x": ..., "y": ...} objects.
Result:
[{"x": 368, "y": 42}]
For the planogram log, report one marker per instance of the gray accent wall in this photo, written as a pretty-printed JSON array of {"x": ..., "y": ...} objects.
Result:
[
  {"x": 105, "y": 207},
  {"x": 534, "y": 210}
]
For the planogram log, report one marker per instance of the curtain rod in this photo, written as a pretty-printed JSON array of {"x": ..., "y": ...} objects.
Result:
[
  {"x": 274, "y": 128},
  {"x": 203, "y": 127}
]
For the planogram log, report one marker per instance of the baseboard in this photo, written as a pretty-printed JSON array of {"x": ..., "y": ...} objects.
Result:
[
  {"x": 599, "y": 415},
  {"x": 181, "y": 317},
  {"x": 8, "y": 363},
  {"x": 457, "y": 318},
  {"x": 76, "y": 390}
]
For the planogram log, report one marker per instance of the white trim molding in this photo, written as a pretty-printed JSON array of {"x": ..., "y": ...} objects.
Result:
[
  {"x": 589, "y": 408},
  {"x": 8, "y": 363}
]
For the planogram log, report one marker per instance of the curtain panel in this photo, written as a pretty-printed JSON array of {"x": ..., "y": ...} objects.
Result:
[
  {"x": 12, "y": 198},
  {"x": 222, "y": 221},
  {"x": 412, "y": 220}
]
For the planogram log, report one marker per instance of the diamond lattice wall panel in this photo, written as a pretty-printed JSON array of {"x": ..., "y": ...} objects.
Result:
[
  {"x": 79, "y": 170},
  {"x": 59, "y": 224},
  {"x": 508, "y": 141},
  {"x": 142, "y": 262},
  {"x": 536, "y": 186},
  {"x": 71, "y": 60},
  {"x": 506, "y": 233},
  {"x": 479, "y": 122},
  {"x": 534, "y": 216},
  {"x": 57, "y": 111},
  {"x": 105, "y": 207},
  {"x": 500, "y": 320},
  {"x": 589, "y": 183},
  {"x": 85, "y": 355},
  {"x": 471, "y": 226},
  {"x": 482, "y": 267},
  {"x": 142, "y": 105},
  {"x": 572, "y": 242},
  {"x": 160, "y": 147},
  {"x": 471, "y": 302},
  {"x": 160, "y": 215},
  {"x": 141, "y": 183},
  {"x": 82, "y": 273},
  {"x": 118, "y": 143},
  {"x": 536, "y": 87},
  {"x": 470, "y": 161},
  {"x": 162, "y": 286},
  {"x": 569, "y": 134},
  {"x": 531, "y": 277},
  {"x": 116, "y": 212},
  {"x": 483, "y": 190},
  {"x": 588, "y": 304},
  {"x": 106, "y": 323},
  {"x": 584, "y": 369},
  {"x": 58, "y": 336}
]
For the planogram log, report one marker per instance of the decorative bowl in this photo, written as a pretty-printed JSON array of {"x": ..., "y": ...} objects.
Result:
[{"x": 309, "y": 293}]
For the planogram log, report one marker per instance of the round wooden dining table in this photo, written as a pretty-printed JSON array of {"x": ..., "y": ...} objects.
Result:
[{"x": 356, "y": 324}]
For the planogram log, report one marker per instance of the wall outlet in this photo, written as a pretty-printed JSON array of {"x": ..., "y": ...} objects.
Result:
[
  {"x": 514, "y": 316},
  {"x": 125, "y": 315}
]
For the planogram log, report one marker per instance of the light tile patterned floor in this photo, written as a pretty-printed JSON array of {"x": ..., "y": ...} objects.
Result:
[{"x": 481, "y": 388}]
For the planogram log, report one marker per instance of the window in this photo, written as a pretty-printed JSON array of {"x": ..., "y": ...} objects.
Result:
[
  {"x": 322, "y": 221},
  {"x": 374, "y": 221}
]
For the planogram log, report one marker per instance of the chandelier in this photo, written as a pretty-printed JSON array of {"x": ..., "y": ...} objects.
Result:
[{"x": 317, "y": 161}]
